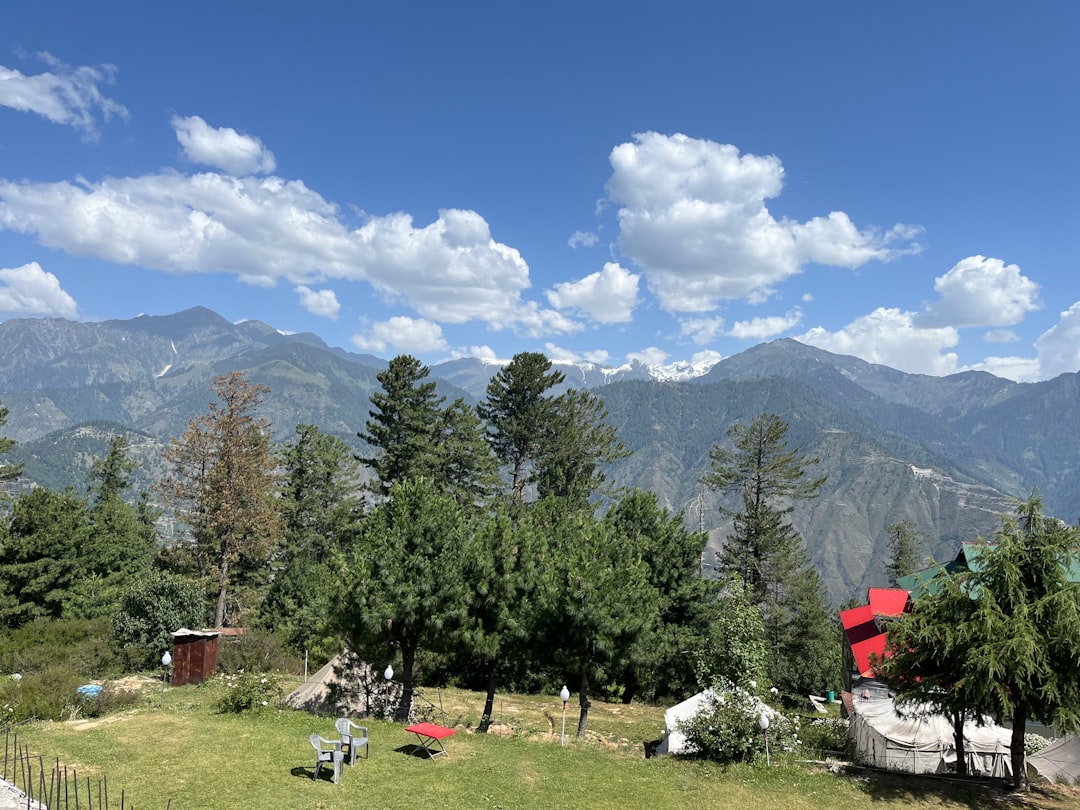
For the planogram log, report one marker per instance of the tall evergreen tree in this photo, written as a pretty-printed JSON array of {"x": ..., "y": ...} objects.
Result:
[
  {"x": 764, "y": 549},
  {"x": 464, "y": 461},
  {"x": 518, "y": 410},
  {"x": 403, "y": 424},
  {"x": 576, "y": 443},
  {"x": 659, "y": 667},
  {"x": 596, "y": 600},
  {"x": 906, "y": 550},
  {"x": 320, "y": 508},
  {"x": 401, "y": 587},
  {"x": 42, "y": 558},
  {"x": 223, "y": 483},
  {"x": 502, "y": 561}
]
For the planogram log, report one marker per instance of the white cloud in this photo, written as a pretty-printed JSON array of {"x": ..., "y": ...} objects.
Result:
[
  {"x": 693, "y": 215},
  {"x": 1059, "y": 347},
  {"x": 30, "y": 290},
  {"x": 767, "y": 327},
  {"x": 891, "y": 338},
  {"x": 222, "y": 148},
  {"x": 319, "y": 302},
  {"x": 402, "y": 335},
  {"x": 651, "y": 356},
  {"x": 557, "y": 354},
  {"x": 608, "y": 296},
  {"x": 582, "y": 239},
  {"x": 1001, "y": 336},
  {"x": 980, "y": 291},
  {"x": 706, "y": 359},
  {"x": 701, "y": 330},
  {"x": 1017, "y": 369},
  {"x": 64, "y": 95},
  {"x": 264, "y": 229}
]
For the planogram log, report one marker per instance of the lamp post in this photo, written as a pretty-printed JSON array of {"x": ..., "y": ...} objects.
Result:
[
  {"x": 763, "y": 721},
  {"x": 388, "y": 674},
  {"x": 166, "y": 660},
  {"x": 565, "y": 695}
]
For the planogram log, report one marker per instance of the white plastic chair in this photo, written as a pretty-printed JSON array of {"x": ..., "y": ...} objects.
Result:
[
  {"x": 352, "y": 739},
  {"x": 327, "y": 751}
]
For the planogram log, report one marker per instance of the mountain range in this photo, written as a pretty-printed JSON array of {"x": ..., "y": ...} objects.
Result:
[{"x": 950, "y": 454}]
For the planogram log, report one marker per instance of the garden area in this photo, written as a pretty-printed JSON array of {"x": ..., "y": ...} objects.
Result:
[{"x": 190, "y": 747}]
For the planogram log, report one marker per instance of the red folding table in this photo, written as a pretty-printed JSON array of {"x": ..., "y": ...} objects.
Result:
[{"x": 431, "y": 737}]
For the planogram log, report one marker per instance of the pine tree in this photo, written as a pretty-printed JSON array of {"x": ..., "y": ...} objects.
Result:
[
  {"x": 764, "y": 550},
  {"x": 906, "y": 548},
  {"x": 518, "y": 411},
  {"x": 403, "y": 424},
  {"x": 223, "y": 484}
]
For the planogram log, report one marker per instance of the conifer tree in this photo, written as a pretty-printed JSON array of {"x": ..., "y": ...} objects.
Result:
[
  {"x": 403, "y": 424},
  {"x": 223, "y": 482},
  {"x": 518, "y": 411},
  {"x": 764, "y": 550}
]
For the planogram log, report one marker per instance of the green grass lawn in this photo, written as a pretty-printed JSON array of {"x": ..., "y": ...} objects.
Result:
[{"x": 179, "y": 752}]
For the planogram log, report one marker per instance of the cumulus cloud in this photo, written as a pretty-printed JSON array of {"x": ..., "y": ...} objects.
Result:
[
  {"x": 766, "y": 327},
  {"x": 319, "y": 302},
  {"x": 557, "y": 354},
  {"x": 692, "y": 213},
  {"x": 265, "y": 229},
  {"x": 1059, "y": 347},
  {"x": 64, "y": 95},
  {"x": 222, "y": 148},
  {"x": 608, "y": 296},
  {"x": 650, "y": 356},
  {"x": 981, "y": 291},
  {"x": 1017, "y": 369},
  {"x": 892, "y": 338},
  {"x": 582, "y": 239},
  {"x": 30, "y": 290},
  {"x": 402, "y": 335},
  {"x": 701, "y": 330}
]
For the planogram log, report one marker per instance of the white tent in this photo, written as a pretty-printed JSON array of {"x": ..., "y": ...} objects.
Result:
[
  {"x": 1059, "y": 761},
  {"x": 674, "y": 741},
  {"x": 923, "y": 742},
  {"x": 345, "y": 685}
]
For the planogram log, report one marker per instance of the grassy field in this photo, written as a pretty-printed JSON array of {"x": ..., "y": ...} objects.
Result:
[{"x": 175, "y": 750}]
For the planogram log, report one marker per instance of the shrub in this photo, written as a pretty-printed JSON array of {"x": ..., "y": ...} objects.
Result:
[
  {"x": 83, "y": 645},
  {"x": 727, "y": 728},
  {"x": 1034, "y": 743},
  {"x": 826, "y": 734},
  {"x": 48, "y": 694},
  {"x": 249, "y": 692},
  {"x": 255, "y": 651}
]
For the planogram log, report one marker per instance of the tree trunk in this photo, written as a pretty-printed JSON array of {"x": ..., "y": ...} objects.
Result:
[
  {"x": 489, "y": 701},
  {"x": 958, "y": 740},
  {"x": 1016, "y": 753},
  {"x": 408, "y": 657},
  {"x": 583, "y": 702},
  {"x": 223, "y": 590}
]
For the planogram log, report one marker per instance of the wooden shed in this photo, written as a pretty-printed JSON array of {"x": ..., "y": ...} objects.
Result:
[{"x": 194, "y": 655}]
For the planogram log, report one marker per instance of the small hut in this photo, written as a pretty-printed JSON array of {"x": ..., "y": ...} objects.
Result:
[{"x": 194, "y": 655}]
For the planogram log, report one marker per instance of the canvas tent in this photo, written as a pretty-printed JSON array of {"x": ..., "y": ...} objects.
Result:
[
  {"x": 1059, "y": 761},
  {"x": 923, "y": 743},
  {"x": 344, "y": 686},
  {"x": 674, "y": 741}
]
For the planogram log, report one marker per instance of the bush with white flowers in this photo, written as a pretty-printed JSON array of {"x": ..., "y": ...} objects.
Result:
[
  {"x": 249, "y": 692},
  {"x": 728, "y": 727}
]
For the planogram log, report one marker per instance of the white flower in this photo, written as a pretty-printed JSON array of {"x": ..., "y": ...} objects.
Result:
[
  {"x": 753, "y": 684},
  {"x": 264, "y": 703}
]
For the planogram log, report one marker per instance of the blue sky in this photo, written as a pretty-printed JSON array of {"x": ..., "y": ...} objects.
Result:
[{"x": 669, "y": 182}]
